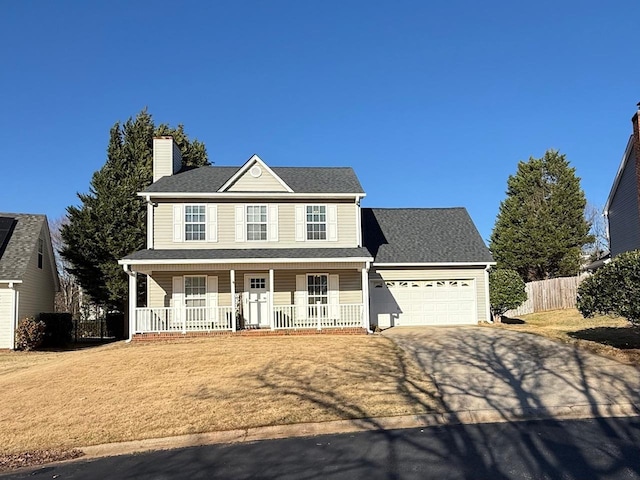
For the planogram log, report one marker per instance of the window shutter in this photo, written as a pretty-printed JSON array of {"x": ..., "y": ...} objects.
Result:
[
  {"x": 334, "y": 297},
  {"x": 178, "y": 223},
  {"x": 300, "y": 297},
  {"x": 272, "y": 223},
  {"x": 332, "y": 223},
  {"x": 212, "y": 298},
  {"x": 212, "y": 217},
  {"x": 177, "y": 296},
  {"x": 300, "y": 224},
  {"x": 240, "y": 223}
]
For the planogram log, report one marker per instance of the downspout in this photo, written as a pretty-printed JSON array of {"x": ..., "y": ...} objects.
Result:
[
  {"x": 132, "y": 310},
  {"x": 486, "y": 294},
  {"x": 14, "y": 313}
]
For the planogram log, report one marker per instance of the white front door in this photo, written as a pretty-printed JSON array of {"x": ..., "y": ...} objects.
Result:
[{"x": 257, "y": 300}]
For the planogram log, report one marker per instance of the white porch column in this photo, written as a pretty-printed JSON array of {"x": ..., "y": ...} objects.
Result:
[
  {"x": 232, "y": 276},
  {"x": 272, "y": 312},
  {"x": 366, "y": 321},
  {"x": 133, "y": 300}
]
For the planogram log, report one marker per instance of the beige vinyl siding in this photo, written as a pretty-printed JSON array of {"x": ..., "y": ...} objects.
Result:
[
  {"x": 346, "y": 217},
  {"x": 160, "y": 285},
  {"x": 37, "y": 290},
  {"x": 6, "y": 317},
  {"x": 264, "y": 183},
  {"x": 420, "y": 273}
]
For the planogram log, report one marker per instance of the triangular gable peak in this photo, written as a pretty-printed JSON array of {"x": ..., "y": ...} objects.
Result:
[{"x": 255, "y": 176}]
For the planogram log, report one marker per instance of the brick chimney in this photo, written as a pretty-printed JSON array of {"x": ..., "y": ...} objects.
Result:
[{"x": 167, "y": 158}]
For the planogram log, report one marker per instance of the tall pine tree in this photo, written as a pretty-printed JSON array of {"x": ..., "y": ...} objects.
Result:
[
  {"x": 541, "y": 229},
  {"x": 110, "y": 222}
]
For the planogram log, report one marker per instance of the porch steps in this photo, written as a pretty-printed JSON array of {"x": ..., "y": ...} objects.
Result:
[{"x": 256, "y": 332}]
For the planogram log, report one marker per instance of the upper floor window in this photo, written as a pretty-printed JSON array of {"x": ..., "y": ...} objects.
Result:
[
  {"x": 316, "y": 222},
  {"x": 256, "y": 222},
  {"x": 194, "y": 222},
  {"x": 40, "y": 252}
]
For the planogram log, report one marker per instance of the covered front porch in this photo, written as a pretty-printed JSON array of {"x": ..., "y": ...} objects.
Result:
[{"x": 259, "y": 296}]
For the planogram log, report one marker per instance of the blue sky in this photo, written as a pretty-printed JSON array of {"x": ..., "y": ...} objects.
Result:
[{"x": 432, "y": 103}]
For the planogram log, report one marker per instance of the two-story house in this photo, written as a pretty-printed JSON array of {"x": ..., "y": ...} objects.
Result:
[
  {"x": 290, "y": 248},
  {"x": 622, "y": 209}
]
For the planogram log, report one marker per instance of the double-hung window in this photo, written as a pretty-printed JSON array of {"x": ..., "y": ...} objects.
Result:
[
  {"x": 316, "y": 222},
  {"x": 195, "y": 226},
  {"x": 317, "y": 295},
  {"x": 256, "y": 222}
]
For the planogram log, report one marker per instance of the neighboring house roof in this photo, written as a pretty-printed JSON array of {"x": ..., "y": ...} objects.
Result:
[
  {"x": 210, "y": 179},
  {"x": 21, "y": 242},
  {"x": 423, "y": 235},
  {"x": 628, "y": 154},
  {"x": 290, "y": 254}
]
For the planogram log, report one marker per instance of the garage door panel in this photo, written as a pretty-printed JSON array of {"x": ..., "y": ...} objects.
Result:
[{"x": 432, "y": 302}]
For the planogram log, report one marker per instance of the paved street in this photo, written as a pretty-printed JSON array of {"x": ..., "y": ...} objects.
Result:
[
  {"x": 548, "y": 449},
  {"x": 478, "y": 368}
]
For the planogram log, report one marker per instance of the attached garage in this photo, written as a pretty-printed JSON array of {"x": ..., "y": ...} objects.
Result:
[
  {"x": 430, "y": 267},
  {"x": 423, "y": 302}
]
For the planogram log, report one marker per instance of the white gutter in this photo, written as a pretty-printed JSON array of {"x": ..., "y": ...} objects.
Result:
[
  {"x": 357, "y": 196},
  {"x": 433, "y": 264},
  {"x": 207, "y": 261},
  {"x": 10, "y": 282}
]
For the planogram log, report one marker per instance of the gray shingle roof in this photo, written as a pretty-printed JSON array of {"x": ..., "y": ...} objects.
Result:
[
  {"x": 257, "y": 253},
  {"x": 209, "y": 179},
  {"x": 422, "y": 235},
  {"x": 21, "y": 245}
]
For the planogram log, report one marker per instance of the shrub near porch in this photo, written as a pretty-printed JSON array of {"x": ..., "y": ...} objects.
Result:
[{"x": 133, "y": 391}]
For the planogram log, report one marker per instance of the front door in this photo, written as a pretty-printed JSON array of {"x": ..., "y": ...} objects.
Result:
[{"x": 257, "y": 311}]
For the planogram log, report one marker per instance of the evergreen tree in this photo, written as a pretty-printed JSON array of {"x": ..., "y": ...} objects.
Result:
[
  {"x": 541, "y": 229},
  {"x": 110, "y": 222}
]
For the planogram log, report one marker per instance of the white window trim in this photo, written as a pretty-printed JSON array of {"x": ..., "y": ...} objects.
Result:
[
  {"x": 307, "y": 223},
  {"x": 307, "y": 286},
  {"x": 246, "y": 223},
  {"x": 184, "y": 222},
  {"x": 184, "y": 288}
]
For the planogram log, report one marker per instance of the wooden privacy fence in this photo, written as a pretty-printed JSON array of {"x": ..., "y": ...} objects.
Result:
[{"x": 552, "y": 294}]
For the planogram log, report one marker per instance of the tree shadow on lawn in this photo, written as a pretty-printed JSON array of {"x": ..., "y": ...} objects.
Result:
[{"x": 624, "y": 338}]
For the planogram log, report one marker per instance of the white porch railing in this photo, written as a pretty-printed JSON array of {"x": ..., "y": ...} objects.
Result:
[
  {"x": 203, "y": 319},
  {"x": 189, "y": 319},
  {"x": 318, "y": 316}
]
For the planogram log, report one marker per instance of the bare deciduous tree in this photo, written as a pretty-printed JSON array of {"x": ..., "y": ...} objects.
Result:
[
  {"x": 600, "y": 246},
  {"x": 69, "y": 298}
]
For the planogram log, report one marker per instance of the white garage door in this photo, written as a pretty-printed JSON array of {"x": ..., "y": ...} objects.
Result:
[{"x": 423, "y": 302}]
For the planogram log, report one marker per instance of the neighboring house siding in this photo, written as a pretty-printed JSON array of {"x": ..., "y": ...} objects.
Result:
[
  {"x": 37, "y": 290},
  {"x": 264, "y": 183},
  {"x": 624, "y": 218},
  {"x": 226, "y": 225},
  {"x": 5, "y": 317},
  {"x": 160, "y": 287},
  {"x": 477, "y": 274}
]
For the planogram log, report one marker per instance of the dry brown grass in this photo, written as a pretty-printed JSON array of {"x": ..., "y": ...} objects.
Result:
[
  {"x": 612, "y": 337},
  {"x": 125, "y": 391}
]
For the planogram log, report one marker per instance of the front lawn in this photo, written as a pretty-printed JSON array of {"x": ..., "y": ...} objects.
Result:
[
  {"x": 123, "y": 391},
  {"x": 607, "y": 336}
]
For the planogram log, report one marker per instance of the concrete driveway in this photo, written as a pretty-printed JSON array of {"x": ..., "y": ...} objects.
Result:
[{"x": 494, "y": 370}]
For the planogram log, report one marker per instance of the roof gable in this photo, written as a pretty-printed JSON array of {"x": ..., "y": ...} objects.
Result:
[
  {"x": 255, "y": 176},
  {"x": 423, "y": 235},
  {"x": 628, "y": 154},
  {"x": 22, "y": 244}
]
